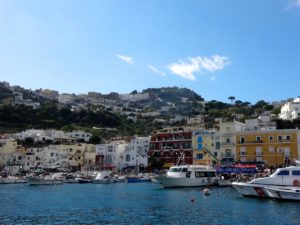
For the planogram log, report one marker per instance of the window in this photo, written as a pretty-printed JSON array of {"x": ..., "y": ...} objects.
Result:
[
  {"x": 258, "y": 139},
  {"x": 217, "y": 145},
  {"x": 199, "y": 146},
  {"x": 279, "y": 138},
  {"x": 243, "y": 151},
  {"x": 296, "y": 172},
  {"x": 271, "y": 138},
  {"x": 199, "y": 156},
  {"x": 215, "y": 153},
  {"x": 199, "y": 174},
  {"x": 227, "y": 140},
  {"x": 258, "y": 151},
  {"x": 286, "y": 151},
  {"x": 271, "y": 149},
  {"x": 127, "y": 158},
  {"x": 199, "y": 139},
  {"x": 284, "y": 173},
  {"x": 288, "y": 137},
  {"x": 242, "y": 140}
]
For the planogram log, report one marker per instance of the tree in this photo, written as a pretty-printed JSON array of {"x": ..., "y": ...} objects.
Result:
[
  {"x": 231, "y": 98},
  {"x": 238, "y": 102}
]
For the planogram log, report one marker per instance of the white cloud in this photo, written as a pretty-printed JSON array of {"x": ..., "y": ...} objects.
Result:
[
  {"x": 186, "y": 69},
  {"x": 213, "y": 78},
  {"x": 292, "y": 4},
  {"x": 155, "y": 70},
  {"x": 125, "y": 58}
]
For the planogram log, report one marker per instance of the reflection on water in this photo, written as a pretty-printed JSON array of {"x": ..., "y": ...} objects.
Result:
[{"x": 143, "y": 203}]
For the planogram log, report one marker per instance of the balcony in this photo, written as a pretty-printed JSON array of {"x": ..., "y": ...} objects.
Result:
[
  {"x": 250, "y": 142},
  {"x": 227, "y": 155},
  {"x": 227, "y": 143}
]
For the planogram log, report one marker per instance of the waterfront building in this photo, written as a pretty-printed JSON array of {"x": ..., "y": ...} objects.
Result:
[
  {"x": 108, "y": 155},
  {"x": 206, "y": 147},
  {"x": 228, "y": 132},
  {"x": 75, "y": 154},
  {"x": 273, "y": 148},
  {"x": 168, "y": 144},
  {"x": 135, "y": 155}
]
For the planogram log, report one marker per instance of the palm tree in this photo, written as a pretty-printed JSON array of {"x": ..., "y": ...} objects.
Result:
[{"x": 231, "y": 98}]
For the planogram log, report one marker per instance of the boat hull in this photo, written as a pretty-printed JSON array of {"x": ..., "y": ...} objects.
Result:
[
  {"x": 169, "y": 182},
  {"x": 137, "y": 180},
  {"x": 291, "y": 194}
]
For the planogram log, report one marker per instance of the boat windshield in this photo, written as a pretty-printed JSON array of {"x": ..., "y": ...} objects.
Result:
[{"x": 176, "y": 169}]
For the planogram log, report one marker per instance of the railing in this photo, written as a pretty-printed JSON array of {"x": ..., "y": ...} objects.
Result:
[
  {"x": 227, "y": 155},
  {"x": 250, "y": 142},
  {"x": 227, "y": 143}
]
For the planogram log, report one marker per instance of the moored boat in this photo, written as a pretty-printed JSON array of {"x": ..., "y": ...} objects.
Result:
[
  {"x": 12, "y": 180},
  {"x": 282, "y": 177},
  {"x": 188, "y": 176},
  {"x": 103, "y": 177},
  {"x": 137, "y": 179}
]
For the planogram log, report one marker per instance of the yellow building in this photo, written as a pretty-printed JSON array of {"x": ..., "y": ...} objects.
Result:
[
  {"x": 274, "y": 148},
  {"x": 204, "y": 148},
  {"x": 75, "y": 152}
]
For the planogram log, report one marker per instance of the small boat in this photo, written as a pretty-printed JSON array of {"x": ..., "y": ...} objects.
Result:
[
  {"x": 103, "y": 177},
  {"x": 137, "y": 179},
  {"x": 282, "y": 178},
  {"x": 292, "y": 193},
  {"x": 12, "y": 180},
  {"x": 43, "y": 181},
  {"x": 188, "y": 176},
  {"x": 83, "y": 180}
]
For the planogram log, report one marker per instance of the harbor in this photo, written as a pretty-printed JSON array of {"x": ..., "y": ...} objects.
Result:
[{"x": 140, "y": 203}]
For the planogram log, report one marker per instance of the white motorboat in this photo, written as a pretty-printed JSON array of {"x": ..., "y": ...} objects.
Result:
[
  {"x": 12, "y": 180},
  {"x": 188, "y": 176},
  {"x": 282, "y": 177},
  {"x": 103, "y": 177},
  {"x": 283, "y": 193}
]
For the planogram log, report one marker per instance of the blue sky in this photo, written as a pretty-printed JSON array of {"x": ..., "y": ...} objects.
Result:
[{"x": 246, "y": 49}]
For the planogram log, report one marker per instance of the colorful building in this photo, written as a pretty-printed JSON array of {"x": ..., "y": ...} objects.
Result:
[
  {"x": 167, "y": 145},
  {"x": 273, "y": 148},
  {"x": 206, "y": 147}
]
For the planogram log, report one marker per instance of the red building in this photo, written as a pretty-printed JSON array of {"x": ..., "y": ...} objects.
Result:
[{"x": 167, "y": 145}]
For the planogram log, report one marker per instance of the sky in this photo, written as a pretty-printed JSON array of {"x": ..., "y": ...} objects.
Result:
[{"x": 246, "y": 49}]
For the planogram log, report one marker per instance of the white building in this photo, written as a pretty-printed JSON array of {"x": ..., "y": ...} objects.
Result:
[
  {"x": 122, "y": 155},
  {"x": 136, "y": 154},
  {"x": 261, "y": 123},
  {"x": 227, "y": 139},
  {"x": 108, "y": 155},
  {"x": 290, "y": 110},
  {"x": 80, "y": 135}
]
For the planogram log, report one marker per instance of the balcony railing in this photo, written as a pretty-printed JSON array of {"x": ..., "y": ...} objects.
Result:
[
  {"x": 227, "y": 143},
  {"x": 251, "y": 142},
  {"x": 227, "y": 155}
]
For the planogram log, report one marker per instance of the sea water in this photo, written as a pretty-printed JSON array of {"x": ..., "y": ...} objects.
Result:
[{"x": 139, "y": 203}]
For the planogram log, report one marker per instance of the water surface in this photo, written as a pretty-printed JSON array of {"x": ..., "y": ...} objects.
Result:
[{"x": 144, "y": 203}]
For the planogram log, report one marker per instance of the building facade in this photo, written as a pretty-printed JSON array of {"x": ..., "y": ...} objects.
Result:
[
  {"x": 167, "y": 145},
  {"x": 273, "y": 148}
]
